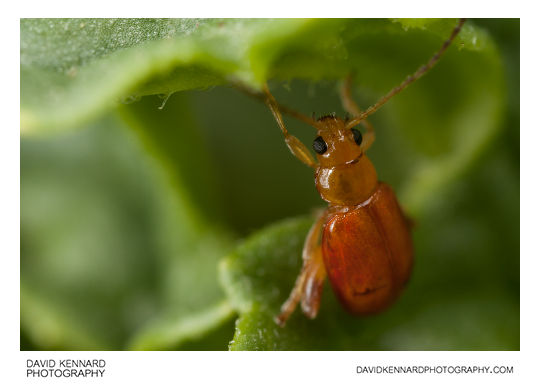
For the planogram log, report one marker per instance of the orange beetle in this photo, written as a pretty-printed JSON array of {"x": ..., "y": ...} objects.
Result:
[{"x": 362, "y": 241}]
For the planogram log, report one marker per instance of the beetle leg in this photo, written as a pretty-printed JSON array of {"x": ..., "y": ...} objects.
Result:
[
  {"x": 346, "y": 99},
  {"x": 296, "y": 147},
  {"x": 309, "y": 283},
  {"x": 313, "y": 285},
  {"x": 350, "y": 106},
  {"x": 284, "y": 109},
  {"x": 289, "y": 306}
]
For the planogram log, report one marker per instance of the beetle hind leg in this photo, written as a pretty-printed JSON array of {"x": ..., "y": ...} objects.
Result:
[
  {"x": 309, "y": 284},
  {"x": 289, "y": 306},
  {"x": 313, "y": 285},
  {"x": 307, "y": 289}
]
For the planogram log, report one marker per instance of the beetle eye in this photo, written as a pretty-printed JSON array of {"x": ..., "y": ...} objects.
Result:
[
  {"x": 319, "y": 145},
  {"x": 357, "y": 136}
]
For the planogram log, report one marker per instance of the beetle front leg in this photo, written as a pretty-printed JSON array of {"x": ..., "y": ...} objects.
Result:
[
  {"x": 309, "y": 284},
  {"x": 295, "y": 146}
]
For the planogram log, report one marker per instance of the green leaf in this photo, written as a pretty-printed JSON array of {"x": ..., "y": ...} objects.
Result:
[
  {"x": 430, "y": 315},
  {"x": 217, "y": 165},
  {"x": 176, "y": 150},
  {"x": 109, "y": 246},
  {"x": 82, "y": 66},
  {"x": 174, "y": 139},
  {"x": 171, "y": 333},
  {"x": 432, "y": 133},
  {"x": 107, "y": 60}
]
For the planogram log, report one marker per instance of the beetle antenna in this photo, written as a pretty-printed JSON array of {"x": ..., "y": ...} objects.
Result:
[
  {"x": 263, "y": 97},
  {"x": 409, "y": 79}
]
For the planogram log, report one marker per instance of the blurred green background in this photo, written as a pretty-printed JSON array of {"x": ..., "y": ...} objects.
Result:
[{"x": 156, "y": 219}]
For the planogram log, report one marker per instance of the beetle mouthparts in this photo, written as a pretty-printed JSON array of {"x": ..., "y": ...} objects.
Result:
[{"x": 327, "y": 116}]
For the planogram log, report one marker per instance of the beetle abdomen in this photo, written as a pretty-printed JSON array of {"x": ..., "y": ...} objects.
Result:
[{"x": 368, "y": 253}]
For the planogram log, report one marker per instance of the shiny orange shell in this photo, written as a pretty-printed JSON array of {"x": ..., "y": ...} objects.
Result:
[{"x": 367, "y": 252}]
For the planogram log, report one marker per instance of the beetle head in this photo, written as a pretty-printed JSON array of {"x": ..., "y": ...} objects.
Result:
[{"x": 335, "y": 144}]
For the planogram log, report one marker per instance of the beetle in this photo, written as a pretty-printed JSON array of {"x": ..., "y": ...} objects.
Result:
[{"x": 362, "y": 241}]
